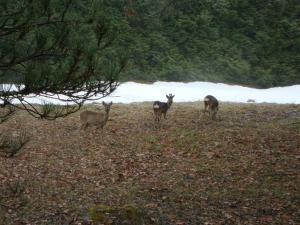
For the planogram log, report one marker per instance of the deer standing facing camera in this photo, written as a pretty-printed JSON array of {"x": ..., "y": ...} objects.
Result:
[
  {"x": 160, "y": 108},
  {"x": 99, "y": 119},
  {"x": 211, "y": 105}
]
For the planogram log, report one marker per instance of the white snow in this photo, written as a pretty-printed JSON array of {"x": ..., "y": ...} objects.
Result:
[{"x": 194, "y": 91}]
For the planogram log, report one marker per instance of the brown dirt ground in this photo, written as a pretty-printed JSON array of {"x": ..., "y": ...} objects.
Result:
[{"x": 241, "y": 169}]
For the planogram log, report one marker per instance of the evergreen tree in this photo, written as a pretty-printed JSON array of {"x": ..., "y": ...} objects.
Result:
[{"x": 56, "y": 49}]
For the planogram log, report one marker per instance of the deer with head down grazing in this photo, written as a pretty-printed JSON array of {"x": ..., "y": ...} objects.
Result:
[
  {"x": 98, "y": 119},
  {"x": 211, "y": 105},
  {"x": 161, "y": 108}
]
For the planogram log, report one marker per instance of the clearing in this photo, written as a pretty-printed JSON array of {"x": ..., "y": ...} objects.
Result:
[{"x": 241, "y": 169}]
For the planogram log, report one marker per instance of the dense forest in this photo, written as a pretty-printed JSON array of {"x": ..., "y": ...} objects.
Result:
[{"x": 250, "y": 42}]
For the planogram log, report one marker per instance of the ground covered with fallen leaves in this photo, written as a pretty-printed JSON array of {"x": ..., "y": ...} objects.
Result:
[{"x": 241, "y": 169}]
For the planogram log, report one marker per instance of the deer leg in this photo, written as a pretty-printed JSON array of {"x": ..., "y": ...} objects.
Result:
[
  {"x": 213, "y": 117},
  {"x": 209, "y": 111},
  {"x": 214, "y": 113},
  {"x": 206, "y": 109},
  {"x": 160, "y": 116},
  {"x": 155, "y": 117},
  {"x": 96, "y": 128},
  {"x": 84, "y": 126},
  {"x": 165, "y": 115},
  {"x": 211, "y": 114},
  {"x": 102, "y": 131}
]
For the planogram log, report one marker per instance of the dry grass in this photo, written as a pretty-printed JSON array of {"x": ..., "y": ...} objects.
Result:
[{"x": 241, "y": 169}]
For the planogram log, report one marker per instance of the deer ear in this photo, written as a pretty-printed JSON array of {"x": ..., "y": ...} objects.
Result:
[
  {"x": 110, "y": 103},
  {"x": 167, "y": 96},
  {"x": 103, "y": 103}
]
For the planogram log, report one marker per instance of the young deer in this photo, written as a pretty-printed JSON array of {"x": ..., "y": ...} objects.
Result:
[
  {"x": 160, "y": 108},
  {"x": 98, "y": 119},
  {"x": 211, "y": 105}
]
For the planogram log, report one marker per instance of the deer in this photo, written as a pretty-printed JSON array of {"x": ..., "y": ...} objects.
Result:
[
  {"x": 99, "y": 119},
  {"x": 161, "y": 108},
  {"x": 211, "y": 105},
  {"x": 251, "y": 101}
]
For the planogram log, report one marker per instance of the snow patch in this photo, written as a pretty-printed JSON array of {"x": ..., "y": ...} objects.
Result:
[{"x": 194, "y": 91}]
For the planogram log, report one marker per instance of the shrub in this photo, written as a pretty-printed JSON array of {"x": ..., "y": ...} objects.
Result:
[
  {"x": 127, "y": 214},
  {"x": 11, "y": 144}
]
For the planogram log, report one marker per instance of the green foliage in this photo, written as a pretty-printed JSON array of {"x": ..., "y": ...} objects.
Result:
[
  {"x": 249, "y": 42},
  {"x": 99, "y": 213},
  {"x": 11, "y": 144},
  {"x": 6, "y": 113},
  {"x": 127, "y": 214},
  {"x": 58, "y": 48}
]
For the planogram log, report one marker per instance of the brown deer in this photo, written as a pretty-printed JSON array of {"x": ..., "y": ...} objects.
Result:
[
  {"x": 211, "y": 105},
  {"x": 160, "y": 108},
  {"x": 99, "y": 119}
]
